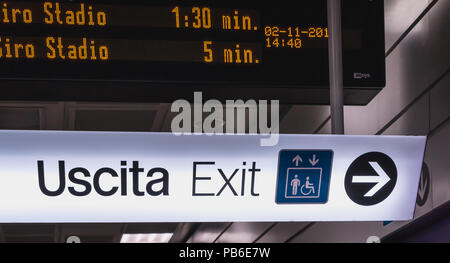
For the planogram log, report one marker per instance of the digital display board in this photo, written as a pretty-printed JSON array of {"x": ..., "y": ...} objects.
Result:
[{"x": 163, "y": 50}]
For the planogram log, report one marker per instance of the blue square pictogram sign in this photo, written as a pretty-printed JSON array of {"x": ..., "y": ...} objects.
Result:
[{"x": 304, "y": 176}]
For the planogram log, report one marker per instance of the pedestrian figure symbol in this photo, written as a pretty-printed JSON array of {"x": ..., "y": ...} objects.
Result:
[
  {"x": 295, "y": 184},
  {"x": 304, "y": 176}
]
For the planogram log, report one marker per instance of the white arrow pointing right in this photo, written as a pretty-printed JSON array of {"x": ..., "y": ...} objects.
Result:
[{"x": 381, "y": 179}]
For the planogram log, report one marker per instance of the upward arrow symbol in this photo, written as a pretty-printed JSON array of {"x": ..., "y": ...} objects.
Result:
[
  {"x": 297, "y": 159},
  {"x": 314, "y": 161}
]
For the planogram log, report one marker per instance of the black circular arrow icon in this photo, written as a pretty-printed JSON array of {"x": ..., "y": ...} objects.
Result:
[
  {"x": 424, "y": 186},
  {"x": 371, "y": 178}
]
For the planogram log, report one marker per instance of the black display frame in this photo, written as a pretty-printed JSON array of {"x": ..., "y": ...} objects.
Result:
[{"x": 368, "y": 15}]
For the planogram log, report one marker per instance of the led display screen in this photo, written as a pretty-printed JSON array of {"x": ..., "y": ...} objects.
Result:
[{"x": 172, "y": 47}]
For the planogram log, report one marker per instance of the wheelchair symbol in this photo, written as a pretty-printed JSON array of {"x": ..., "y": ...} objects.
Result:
[{"x": 308, "y": 186}]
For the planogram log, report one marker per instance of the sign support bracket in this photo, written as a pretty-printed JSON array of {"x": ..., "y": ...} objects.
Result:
[{"x": 335, "y": 66}]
